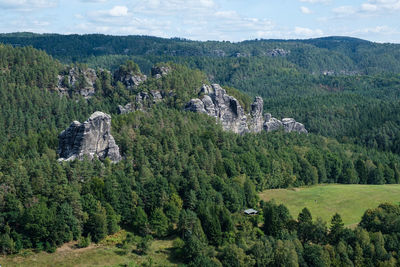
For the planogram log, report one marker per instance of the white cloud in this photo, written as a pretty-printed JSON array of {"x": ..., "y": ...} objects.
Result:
[
  {"x": 26, "y": 5},
  {"x": 40, "y": 23},
  {"x": 127, "y": 26},
  {"x": 368, "y": 8},
  {"x": 344, "y": 10},
  {"x": 226, "y": 14},
  {"x": 197, "y": 22},
  {"x": 307, "y": 32},
  {"x": 381, "y": 5},
  {"x": 305, "y": 10},
  {"x": 105, "y": 15},
  {"x": 119, "y": 11},
  {"x": 376, "y": 30},
  {"x": 168, "y": 7}
]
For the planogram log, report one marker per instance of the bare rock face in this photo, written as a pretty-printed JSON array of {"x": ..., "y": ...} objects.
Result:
[
  {"x": 272, "y": 124},
  {"x": 227, "y": 110},
  {"x": 277, "y": 52},
  {"x": 143, "y": 101},
  {"x": 257, "y": 120},
  {"x": 196, "y": 105},
  {"x": 290, "y": 125},
  {"x": 130, "y": 79},
  {"x": 159, "y": 71},
  {"x": 92, "y": 139},
  {"x": 128, "y": 108},
  {"x": 77, "y": 81}
]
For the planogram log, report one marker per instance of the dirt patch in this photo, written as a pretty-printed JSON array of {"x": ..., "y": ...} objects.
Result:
[{"x": 71, "y": 247}]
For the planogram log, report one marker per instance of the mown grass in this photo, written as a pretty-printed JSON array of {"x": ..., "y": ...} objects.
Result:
[
  {"x": 104, "y": 254},
  {"x": 350, "y": 201}
]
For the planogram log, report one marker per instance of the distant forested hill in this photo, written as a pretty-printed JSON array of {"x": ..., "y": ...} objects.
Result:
[{"x": 331, "y": 54}]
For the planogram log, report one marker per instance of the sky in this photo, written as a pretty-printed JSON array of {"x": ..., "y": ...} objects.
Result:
[{"x": 229, "y": 20}]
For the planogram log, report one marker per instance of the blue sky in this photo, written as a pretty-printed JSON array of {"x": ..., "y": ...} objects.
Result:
[{"x": 233, "y": 20}]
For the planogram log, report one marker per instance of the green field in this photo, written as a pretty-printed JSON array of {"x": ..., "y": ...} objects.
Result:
[
  {"x": 104, "y": 254},
  {"x": 350, "y": 201}
]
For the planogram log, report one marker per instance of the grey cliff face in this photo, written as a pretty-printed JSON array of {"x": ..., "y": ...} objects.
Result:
[
  {"x": 129, "y": 79},
  {"x": 257, "y": 120},
  {"x": 92, "y": 139},
  {"x": 227, "y": 110},
  {"x": 290, "y": 125},
  {"x": 77, "y": 81},
  {"x": 272, "y": 124}
]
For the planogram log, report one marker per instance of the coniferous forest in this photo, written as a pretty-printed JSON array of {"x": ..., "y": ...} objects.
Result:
[{"x": 182, "y": 175}]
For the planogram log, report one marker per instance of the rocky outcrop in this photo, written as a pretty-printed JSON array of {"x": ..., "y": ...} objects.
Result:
[
  {"x": 290, "y": 125},
  {"x": 272, "y": 124},
  {"x": 77, "y": 81},
  {"x": 287, "y": 124},
  {"x": 277, "y": 52},
  {"x": 128, "y": 108},
  {"x": 92, "y": 139},
  {"x": 159, "y": 71},
  {"x": 227, "y": 110},
  {"x": 257, "y": 119},
  {"x": 143, "y": 101},
  {"x": 130, "y": 79},
  {"x": 223, "y": 107}
]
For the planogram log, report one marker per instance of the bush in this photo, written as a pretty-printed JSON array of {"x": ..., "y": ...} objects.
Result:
[
  {"x": 84, "y": 242},
  {"x": 144, "y": 245}
]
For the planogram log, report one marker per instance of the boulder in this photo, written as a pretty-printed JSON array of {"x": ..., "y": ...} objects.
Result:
[{"x": 91, "y": 139}]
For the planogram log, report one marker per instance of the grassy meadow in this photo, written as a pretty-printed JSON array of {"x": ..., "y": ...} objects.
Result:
[
  {"x": 104, "y": 254},
  {"x": 350, "y": 201}
]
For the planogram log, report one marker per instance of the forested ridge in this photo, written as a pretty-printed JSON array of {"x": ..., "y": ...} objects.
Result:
[
  {"x": 183, "y": 176},
  {"x": 339, "y": 87}
]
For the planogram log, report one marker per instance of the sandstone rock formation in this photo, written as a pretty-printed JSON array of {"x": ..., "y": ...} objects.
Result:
[
  {"x": 277, "y": 52},
  {"x": 290, "y": 125},
  {"x": 223, "y": 107},
  {"x": 228, "y": 111},
  {"x": 92, "y": 139},
  {"x": 159, "y": 71},
  {"x": 257, "y": 120},
  {"x": 143, "y": 100},
  {"x": 130, "y": 79},
  {"x": 77, "y": 81}
]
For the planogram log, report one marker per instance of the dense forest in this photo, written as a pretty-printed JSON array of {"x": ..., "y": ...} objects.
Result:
[
  {"x": 338, "y": 87},
  {"x": 182, "y": 175}
]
